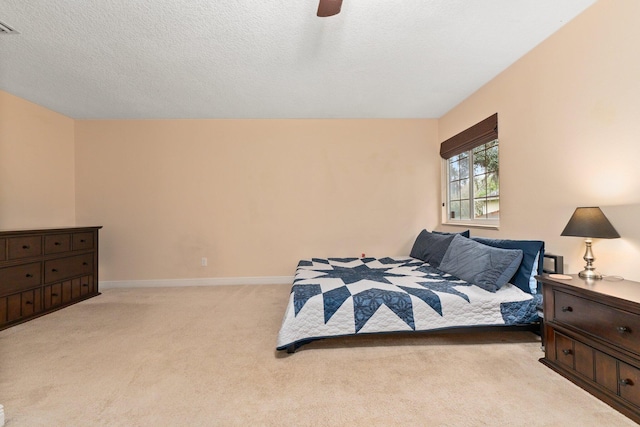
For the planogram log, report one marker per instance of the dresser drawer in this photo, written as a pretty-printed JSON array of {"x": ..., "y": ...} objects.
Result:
[
  {"x": 3, "y": 249},
  {"x": 52, "y": 296},
  {"x": 584, "y": 357},
  {"x": 606, "y": 371},
  {"x": 67, "y": 291},
  {"x": 56, "y": 243},
  {"x": 58, "y": 269},
  {"x": 24, "y": 304},
  {"x": 14, "y": 307},
  {"x": 574, "y": 355},
  {"x": 629, "y": 381},
  {"x": 564, "y": 351},
  {"x": 86, "y": 285},
  {"x": 24, "y": 247},
  {"x": 30, "y": 302},
  {"x": 82, "y": 241},
  {"x": 619, "y": 327},
  {"x": 20, "y": 277}
]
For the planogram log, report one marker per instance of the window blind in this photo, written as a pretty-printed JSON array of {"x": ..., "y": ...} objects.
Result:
[{"x": 478, "y": 134}]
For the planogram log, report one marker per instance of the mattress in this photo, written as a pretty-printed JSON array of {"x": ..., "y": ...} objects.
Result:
[{"x": 333, "y": 297}]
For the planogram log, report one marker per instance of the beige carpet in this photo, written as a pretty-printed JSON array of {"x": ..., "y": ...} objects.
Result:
[{"x": 205, "y": 357}]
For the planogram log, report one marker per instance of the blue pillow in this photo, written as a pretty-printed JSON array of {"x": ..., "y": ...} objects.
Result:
[
  {"x": 430, "y": 247},
  {"x": 532, "y": 250},
  {"x": 485, "y": 266}
]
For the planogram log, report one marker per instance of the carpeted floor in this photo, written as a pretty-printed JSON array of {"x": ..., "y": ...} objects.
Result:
[{"x": 205, "y": 356}]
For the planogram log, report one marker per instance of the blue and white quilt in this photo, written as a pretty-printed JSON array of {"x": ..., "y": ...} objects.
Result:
[{"x": 349, "y": 296}]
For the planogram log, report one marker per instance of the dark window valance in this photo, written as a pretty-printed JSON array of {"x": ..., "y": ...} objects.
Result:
[{"x": 478, "y": 134}]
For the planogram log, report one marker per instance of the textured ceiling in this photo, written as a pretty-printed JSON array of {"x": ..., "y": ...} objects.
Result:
[{"x": 139, "y": 59}]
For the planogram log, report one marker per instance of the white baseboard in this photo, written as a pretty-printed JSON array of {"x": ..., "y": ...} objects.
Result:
[
  {"x": 1, "y": 415},
  {"x": 211, "y": 281}
]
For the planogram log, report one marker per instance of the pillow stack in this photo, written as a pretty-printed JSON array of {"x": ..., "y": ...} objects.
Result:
[{"x": 487, "y": 263}]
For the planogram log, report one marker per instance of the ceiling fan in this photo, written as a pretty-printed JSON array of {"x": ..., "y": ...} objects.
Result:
[{"x": 329, "y": 7}]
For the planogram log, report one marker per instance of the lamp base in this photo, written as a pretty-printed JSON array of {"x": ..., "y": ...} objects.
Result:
[
  {"x": 590, "y": 275},
  {"x": 589, "y": 271}
]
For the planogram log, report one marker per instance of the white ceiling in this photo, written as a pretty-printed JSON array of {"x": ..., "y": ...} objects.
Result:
[{"x": 141, "y": 59}]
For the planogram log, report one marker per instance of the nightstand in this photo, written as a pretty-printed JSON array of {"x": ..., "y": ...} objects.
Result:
[{"x": 592, "y": 337}]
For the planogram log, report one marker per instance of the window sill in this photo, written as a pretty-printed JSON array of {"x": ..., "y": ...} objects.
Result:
[{"x": 492, "y": 226}]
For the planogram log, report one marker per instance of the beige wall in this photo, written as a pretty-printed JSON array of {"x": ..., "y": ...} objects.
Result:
[
  {"x": 36, "y": 166},
  {"x": 274, "y": 191},
  {"x": 569, "y": 121},
  {"x": 253, "y": 196}
]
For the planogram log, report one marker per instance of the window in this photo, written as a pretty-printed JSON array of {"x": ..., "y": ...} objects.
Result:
[{"x": 471, "y": 185}]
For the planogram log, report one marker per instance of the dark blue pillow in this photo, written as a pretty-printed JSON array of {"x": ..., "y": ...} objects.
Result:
[
  {"x": 430, "y": 247},
  {"x": 485, "y": 266},
  {"x": 465, "y": 233},
  {"x": 532, "y": 250}
]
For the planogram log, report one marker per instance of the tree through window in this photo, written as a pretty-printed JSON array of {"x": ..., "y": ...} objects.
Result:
[{"x": 474, "y": 185}]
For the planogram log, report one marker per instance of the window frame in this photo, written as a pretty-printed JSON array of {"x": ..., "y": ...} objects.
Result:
[{"x": 446, "y": 202}]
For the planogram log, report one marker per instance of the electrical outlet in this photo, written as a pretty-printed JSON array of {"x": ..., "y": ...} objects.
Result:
[{"x": 203, "y": 262}]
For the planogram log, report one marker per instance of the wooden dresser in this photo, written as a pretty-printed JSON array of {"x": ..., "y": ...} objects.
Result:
[
  {"x": 592, "y": 336},
  {"x": 44, "y": 270}
]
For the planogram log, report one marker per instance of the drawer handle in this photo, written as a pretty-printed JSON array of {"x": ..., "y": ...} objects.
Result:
[
  {"x": 28, "y": 302},
  {"x": 623, "y": 329},
  {"x": 84, "y": 263},
  {"x": 57, "y": 243},
  {"x": 625, "y": 382},
  {"x": 26, "y": 247},
  {"x": 566, "y": 352},
  {"x": 85, "y": 285},
  {"x": 28, "y": 275},
  {"x": 567, "y": 308},
  {"x": 54, "y": 295},
  {"x": 82, "y": 240},
  {"x": 54, "y": 270}
]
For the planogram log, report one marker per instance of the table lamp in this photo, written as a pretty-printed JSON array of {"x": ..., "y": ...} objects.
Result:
[{"x": 591, "y": 223}]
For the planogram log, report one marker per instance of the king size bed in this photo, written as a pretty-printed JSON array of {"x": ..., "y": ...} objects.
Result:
[{"x": 449, "y": 281}]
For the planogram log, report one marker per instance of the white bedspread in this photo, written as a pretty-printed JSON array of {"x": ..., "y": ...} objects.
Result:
[{"x": 337, "y": 297}]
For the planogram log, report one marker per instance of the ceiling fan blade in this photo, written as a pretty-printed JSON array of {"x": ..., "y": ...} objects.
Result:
[{"x": 329, "y": 7}]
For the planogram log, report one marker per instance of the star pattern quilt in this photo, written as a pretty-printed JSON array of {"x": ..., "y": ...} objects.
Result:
[{"x": 349, "y": 296}]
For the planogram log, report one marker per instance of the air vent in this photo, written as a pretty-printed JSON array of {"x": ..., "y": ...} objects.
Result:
[{"x": 5, "y": 29}]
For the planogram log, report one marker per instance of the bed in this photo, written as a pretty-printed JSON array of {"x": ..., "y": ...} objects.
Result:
[{"x": 449, "y": 281}]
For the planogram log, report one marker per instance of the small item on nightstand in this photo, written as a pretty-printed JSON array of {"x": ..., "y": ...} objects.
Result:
[{"x": 560, "y": 276}]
